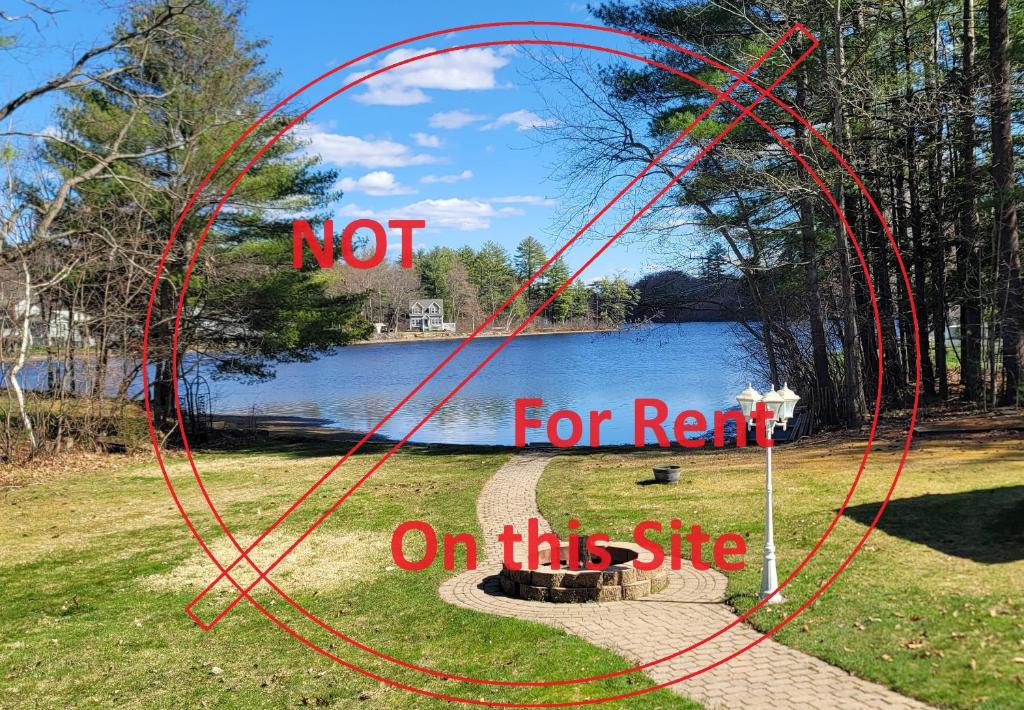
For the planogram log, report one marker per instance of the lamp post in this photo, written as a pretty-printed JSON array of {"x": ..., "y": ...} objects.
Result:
[{"x": 780, "y": 404}]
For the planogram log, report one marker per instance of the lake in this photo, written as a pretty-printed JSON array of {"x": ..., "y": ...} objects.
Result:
[{"x": 688, "y": 365}]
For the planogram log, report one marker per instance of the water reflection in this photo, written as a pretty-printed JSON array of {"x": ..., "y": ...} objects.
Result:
[{"x": 690, "y": 366}]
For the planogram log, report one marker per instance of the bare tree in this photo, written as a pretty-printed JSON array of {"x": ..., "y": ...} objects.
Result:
[{"x": 83, "y": 69}]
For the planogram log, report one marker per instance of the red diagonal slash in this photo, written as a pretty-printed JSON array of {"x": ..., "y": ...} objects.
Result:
[{"x": 762, "y": 93}]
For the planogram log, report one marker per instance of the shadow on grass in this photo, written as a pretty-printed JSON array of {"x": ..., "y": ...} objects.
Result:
[
  {"x": 985, "y": 525},
  {"x": 314, "y": 448}
]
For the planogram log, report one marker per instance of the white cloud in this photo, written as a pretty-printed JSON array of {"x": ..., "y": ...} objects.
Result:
[
  {"x": 446, "y": 179},
  {"x": 524, "y": 200},
  {"x": 464, "y": 215},
  {"x": 427, "y": 140},
  {"x": 522, "y": 119},
  {"x": 384, "y": 94},
  {"x": 377, "y": 184},
  {"x": 351, "y": 209},
  {"x": 351, "y": 150},
  {"x": 454, "y": 119},
  {"x": 457, "y": 213},
  {"x": 396, "y": 245},
  {"x": 462, "y": 70}
]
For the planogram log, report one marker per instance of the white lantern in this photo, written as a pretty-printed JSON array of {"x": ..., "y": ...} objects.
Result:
[
  {"x": 773, "y": 403},
  {"x": 789, "y": 400},
  {"x": 747, "y": 399}
]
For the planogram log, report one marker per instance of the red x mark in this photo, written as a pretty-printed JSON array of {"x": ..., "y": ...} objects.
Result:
[{"x": 262, "y": 573}]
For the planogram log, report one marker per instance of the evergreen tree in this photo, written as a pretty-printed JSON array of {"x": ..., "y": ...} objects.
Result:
[
  {"x": 712, "y": 266},
  {"x": 435, "y": 266},
  {"x": 578, "y": 299},
  {"x": 203, "y": 84},
  {"x": 529, "y": 257},
  {"x": 491, "y": 272},
  {"x": 557, "y": 274},
  {"x": 614, "y": 299}
]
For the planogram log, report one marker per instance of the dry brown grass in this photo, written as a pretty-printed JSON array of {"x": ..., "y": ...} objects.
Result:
[
  {"x": 54, "y": 467},
  {"x": 332, "y": 561}
]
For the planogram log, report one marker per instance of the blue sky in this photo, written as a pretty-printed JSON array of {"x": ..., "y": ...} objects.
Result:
[{"x": 452, "y": 139}]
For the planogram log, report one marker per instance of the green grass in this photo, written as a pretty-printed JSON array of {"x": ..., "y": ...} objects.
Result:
[
  {"x": 932, "y": 606},
  {"x": 96, "y": 569}
]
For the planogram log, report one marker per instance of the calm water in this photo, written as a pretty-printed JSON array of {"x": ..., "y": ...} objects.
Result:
[{"x": 689, "y": 366}]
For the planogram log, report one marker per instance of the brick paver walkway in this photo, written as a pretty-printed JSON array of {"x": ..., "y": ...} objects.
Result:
[{"x": 769, "y": 675}]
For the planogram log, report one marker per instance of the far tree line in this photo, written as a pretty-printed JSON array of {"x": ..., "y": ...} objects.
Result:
[
  {"x": 474, "y": 283},
  {"x": 924, "y": 99}
]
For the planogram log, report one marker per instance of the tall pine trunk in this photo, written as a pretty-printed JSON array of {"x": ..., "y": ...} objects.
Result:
[
  {"x": 1009, "y": 294},
  {"x": 916, "y": 226},
  {"x": 967, "y": 264},
  {"x": 824, "y": 402},
  {"x": 935, "y": 221},
  {"x": 853, "y": 382}
]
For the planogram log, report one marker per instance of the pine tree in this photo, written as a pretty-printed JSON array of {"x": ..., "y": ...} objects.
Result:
[
  {"x": 712, "y": 267},
  {"x": 493, "y": 275},
  {"x": 528, "y": 258},
  {"x": 203, "y": 85},
  {"x": 556, "y": 275},
  {"x": 614, "y": 300}
]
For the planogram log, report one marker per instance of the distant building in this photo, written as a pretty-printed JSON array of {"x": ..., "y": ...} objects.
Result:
[
  {"x": 428, "y": 314},
  {"x": 45, "y": 329}
]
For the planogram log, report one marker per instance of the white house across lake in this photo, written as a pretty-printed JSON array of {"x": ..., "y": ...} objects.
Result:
[{"x": 428, "y": 314}]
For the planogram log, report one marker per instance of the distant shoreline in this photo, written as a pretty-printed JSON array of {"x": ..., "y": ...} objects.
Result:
[{"x": 414, "y": 337}]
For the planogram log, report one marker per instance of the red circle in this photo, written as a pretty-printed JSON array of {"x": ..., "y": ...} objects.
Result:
[
  {"x": 271, "y": 583},
  {"x": 226, "y": 531},
  {"x": 788, "y": 579}
]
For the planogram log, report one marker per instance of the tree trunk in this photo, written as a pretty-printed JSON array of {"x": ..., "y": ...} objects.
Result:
[
  {"x": 853, "y": 383},
  {"x": 160, "y": 355},
  {"x": 26, "y": 335},
  {"x": 824, "y": 408},
  {"x": 1009, "y": 303},
  {"x": 967, "y": 265},
  {"x": 916, "y": 219},
  {"x": 935, "y": 223},
  {"x": 878, "y": 247},
  {"x": 903, "y": 291}
]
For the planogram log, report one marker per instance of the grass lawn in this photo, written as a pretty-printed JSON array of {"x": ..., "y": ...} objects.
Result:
[
  {"x": 933, "y": 606},
  {"x": 97, "y": 567}
]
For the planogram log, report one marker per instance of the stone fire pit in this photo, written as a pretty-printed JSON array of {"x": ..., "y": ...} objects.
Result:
[{"x": 620, "y": 580}]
